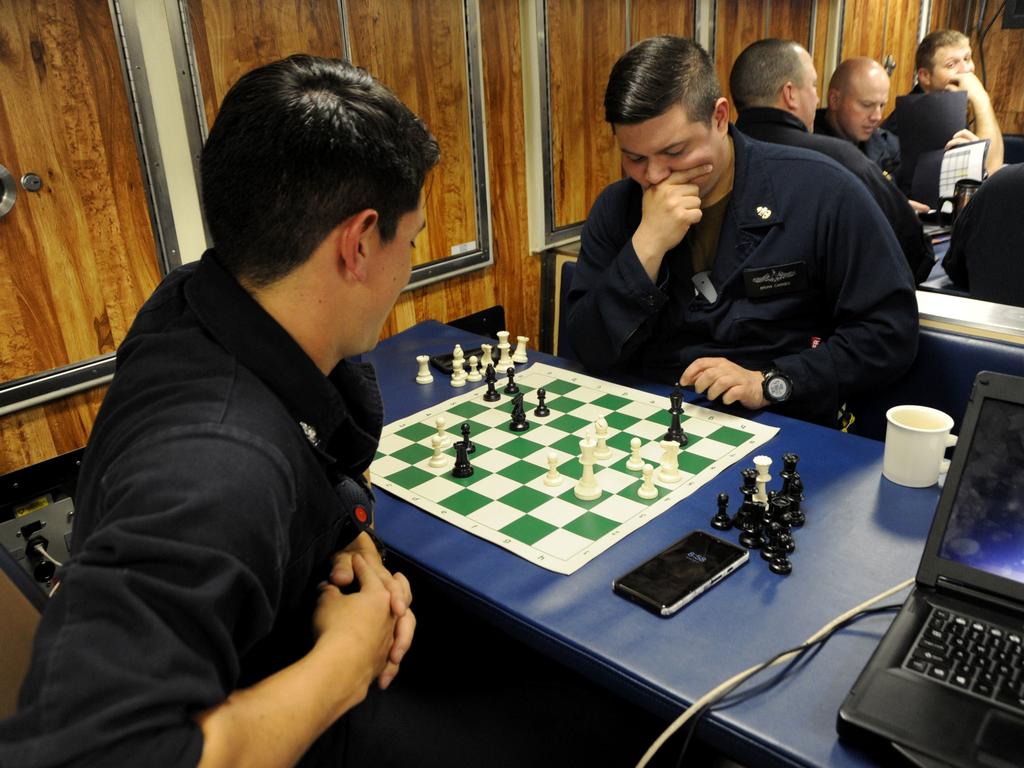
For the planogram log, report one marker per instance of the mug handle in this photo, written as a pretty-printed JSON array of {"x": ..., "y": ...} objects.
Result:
[{"x": 944, "y": 464}]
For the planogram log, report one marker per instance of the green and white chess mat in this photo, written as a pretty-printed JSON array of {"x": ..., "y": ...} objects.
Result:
[{"x": 506, "y": 501}]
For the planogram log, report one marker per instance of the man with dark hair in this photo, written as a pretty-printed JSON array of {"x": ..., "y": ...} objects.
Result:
[
  {"x": 226, "y": 604},
  {"x": 756, "y": 273},
  {"x": 857, "y": 94},
  {"x": 774, "y": 86},
  {"x": 944, "y": 62}
]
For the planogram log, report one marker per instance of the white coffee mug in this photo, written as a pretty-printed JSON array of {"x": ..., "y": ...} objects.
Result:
[{"x": 916, "y": 439}]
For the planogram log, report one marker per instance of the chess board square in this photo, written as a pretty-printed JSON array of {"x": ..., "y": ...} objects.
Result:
[
  {"x": 570, "y": 496},
  {"x": 591, "y": 412},
  {"x": 465, "y": 501},
  {"x": 440, "y": 486},
  {"x": 730, "y": 436},
  {"x": 413, "y": 453},
  {"x": 641, "y": 409},
  {"x": 630, "y": 493},
  {"x": 494, "y": 485},
  {"x": 611, "y": 402},
  {"x": 521, "y": 471},
  {"x": 572, "y": 468},
  {"x": 479, "y": 473},
  {"x": 455, "y": 430},
  {"x": 495, "y": 516},
  {"x": 493, "y": 461},
  {"x": 494, "y": 438},
  {"x": 702, "y": 425},
  {"x": 558, "y": 512},
  {"x": 410, "y": 477},
  {"x": 520, "y": 448},
  {"x": 591, "y": 526},
  {"x": 492, "y": 417},
  {"x": 662, "y": 417},
  {"x": 468, "y": 410},
  {"x": 647, "y": 430},
  {"x": 711, "y": 449},
  {"x": 618, "y": 420},
  {"x": 416, "y": 432},
  {"x": 694, "y": 463},
  {"x": 390, "y": 443},
  {"x": 540, "y": 432},
  {"x": 618, "y": 508},
  {"x": 613, "y": 480},
  {"x": 560, "y": 386},
  {"x": 621, "y": 441},
  {"x": 527, "y": 529},
  {"x": 564, "y": 404},
  {"x": 562, "y": 544},
  {"x": 568, "y": 423},
  {"x": 384, "y": 466},
  {"x": 569, "y": 444},
  {"x": 524, "y": 499}
]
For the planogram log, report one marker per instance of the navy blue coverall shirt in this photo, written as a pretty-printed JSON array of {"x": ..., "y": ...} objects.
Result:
[
  {"x": 223, "y": 472},
  {"x": 808, "y": 275}
]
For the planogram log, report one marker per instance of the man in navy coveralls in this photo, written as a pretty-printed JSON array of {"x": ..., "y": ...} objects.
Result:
[
  {"x": 755, "y": 273},
  {"x": 225, "y": 604}
]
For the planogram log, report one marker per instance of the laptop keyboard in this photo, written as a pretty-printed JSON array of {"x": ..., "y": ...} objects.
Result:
[{"x": 982, "y": 658}]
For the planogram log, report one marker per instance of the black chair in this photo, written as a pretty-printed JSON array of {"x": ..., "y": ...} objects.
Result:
[
  {"x": 21, "y": 601},
  {"x": 1013, "y": 148},
  {"x": 563, "y": 347}
]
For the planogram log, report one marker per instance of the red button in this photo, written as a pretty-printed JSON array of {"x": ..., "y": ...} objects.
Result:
[{"x": 361, "y": 515}]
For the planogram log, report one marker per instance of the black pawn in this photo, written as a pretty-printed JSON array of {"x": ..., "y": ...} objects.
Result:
[
  {"x": 491, "y": 377},
  {"x": 511, "y": 388},
  {"x": 462, "y": 466},
  {"x": 769, "y": 541},
  {"x": 748, "y": 489},
  {"x": 519, "y": 422},
  {"x": 721, "y": 519},
  {"x": 541, "y": 410},
  {"x": 470, "y": 445},
  {"x": 675, "y": 428}
]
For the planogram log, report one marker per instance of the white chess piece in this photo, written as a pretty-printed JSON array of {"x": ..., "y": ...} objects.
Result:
[
  {"x": 587, "y": 488},
  {"x": 647, "y": 489},
  {"x": 504, "y": 359},
  {"x": 635, "y": 462},
  {"x": 439, "y": 423},
  {"x": 553, "y": 478},
  {"x": 423, "y": 376},
  {"x": 602, "y": 451},
  {"x": 519, "y": 356},
  {"x": 458, "y": 371},
  {"x": 669, "y": 472},
  {"x": 761, "y": 463},
  {"x": 438, "y": 460},
  {"x": 474, "y": 371},
  {"x": 485, "y": 357}
]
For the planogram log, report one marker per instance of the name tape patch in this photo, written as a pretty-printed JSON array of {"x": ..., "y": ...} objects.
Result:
[{"x": 777, "y": 279}]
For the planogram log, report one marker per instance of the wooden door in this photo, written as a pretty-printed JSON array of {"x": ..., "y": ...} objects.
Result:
[
  {"x": 881, "y": 28},
  {"x": 77, "y": 257}
]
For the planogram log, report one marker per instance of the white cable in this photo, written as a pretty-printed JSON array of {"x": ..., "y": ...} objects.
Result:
[
  {"x": 47, "y": 556},
  {"x": 738, "y": 678}
]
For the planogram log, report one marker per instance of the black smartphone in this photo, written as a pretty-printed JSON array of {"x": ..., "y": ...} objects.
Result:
[
  {"x": 443, "y": 363},
  {"x": 677, "y": 575}
]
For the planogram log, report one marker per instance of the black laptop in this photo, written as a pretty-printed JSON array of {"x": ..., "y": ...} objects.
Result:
[{"x": 946, "y": 684}]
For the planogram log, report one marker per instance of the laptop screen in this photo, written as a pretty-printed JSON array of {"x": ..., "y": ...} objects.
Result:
[{"x": 986, "y": 523}]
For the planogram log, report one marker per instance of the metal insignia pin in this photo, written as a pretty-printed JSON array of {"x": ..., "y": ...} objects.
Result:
[
  {"x": 310, "y": 433},
  {"x": 764, "y": 212}
]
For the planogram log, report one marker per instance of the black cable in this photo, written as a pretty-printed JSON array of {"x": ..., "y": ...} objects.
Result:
[{"x": 804, "y": 651}]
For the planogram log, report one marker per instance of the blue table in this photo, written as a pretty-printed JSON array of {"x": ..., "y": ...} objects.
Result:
[{"x": 863, "y": 535}]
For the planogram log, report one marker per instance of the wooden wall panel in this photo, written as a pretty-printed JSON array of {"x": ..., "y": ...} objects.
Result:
[
  {"x": 819, "y": 51},
  {"x": 738, "y": 23},
  {"x": 583, "y": 44},
  {"x": 418, "y": 49},
  {"x": 78, "y": 257},
  {"x": 863, "y": 35},
  {"x": 660, "y": 17}
]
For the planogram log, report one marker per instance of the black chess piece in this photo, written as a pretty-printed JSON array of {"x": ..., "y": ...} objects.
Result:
[
  {"x": 769, "y": 540},
  {"x": 784, "y": 541},
  {"x": 750, "y": 516},
  {"x": 789, "y": 461},
  {"x": 748, "y": 489},
  {"x": 541, "y": 410},
  {"x": 675, "y": 428},
  {"x": 721, "y": 519},
  {"x": 796, "y": 496},
  {"x": 491, "y": 377},
  {"x": 470, "y": 445},
  {"x": 778, "y": 505},
  {"x": 511, "y": 388},
  {"x": 780, "y": 564},
  {"x": 462, "y": 466},
  {"x": 519, "y": 422}
]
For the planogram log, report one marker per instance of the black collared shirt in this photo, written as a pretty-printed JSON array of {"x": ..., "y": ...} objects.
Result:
[
  {"x": 882, "y": 146},
  {"x": 206, "y": 516}
]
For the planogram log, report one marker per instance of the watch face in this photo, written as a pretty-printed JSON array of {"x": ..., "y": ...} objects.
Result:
[{"x": 778, "y": 388}]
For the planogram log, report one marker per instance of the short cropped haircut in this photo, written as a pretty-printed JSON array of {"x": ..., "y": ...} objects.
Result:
[
  {"x": 940, "y": 38},
  {"x": 762, "y": 70},
  {"x": 655, "y": 75},
  {"x": 298, "y": 146}
]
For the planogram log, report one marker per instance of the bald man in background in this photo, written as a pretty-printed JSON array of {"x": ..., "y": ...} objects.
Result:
[
  {"x": 774, "y": 86},
  {"x": 857, "y": 95}
]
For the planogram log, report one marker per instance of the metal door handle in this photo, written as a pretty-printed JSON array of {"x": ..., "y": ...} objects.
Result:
[{"x": 8, "y": 191}]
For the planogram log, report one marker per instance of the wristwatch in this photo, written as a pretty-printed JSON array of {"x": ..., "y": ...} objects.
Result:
[{"x": 777, "y": 386}]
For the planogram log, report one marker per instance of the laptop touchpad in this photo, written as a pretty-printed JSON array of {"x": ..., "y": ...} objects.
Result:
[{"x": 999, "y": 740}]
